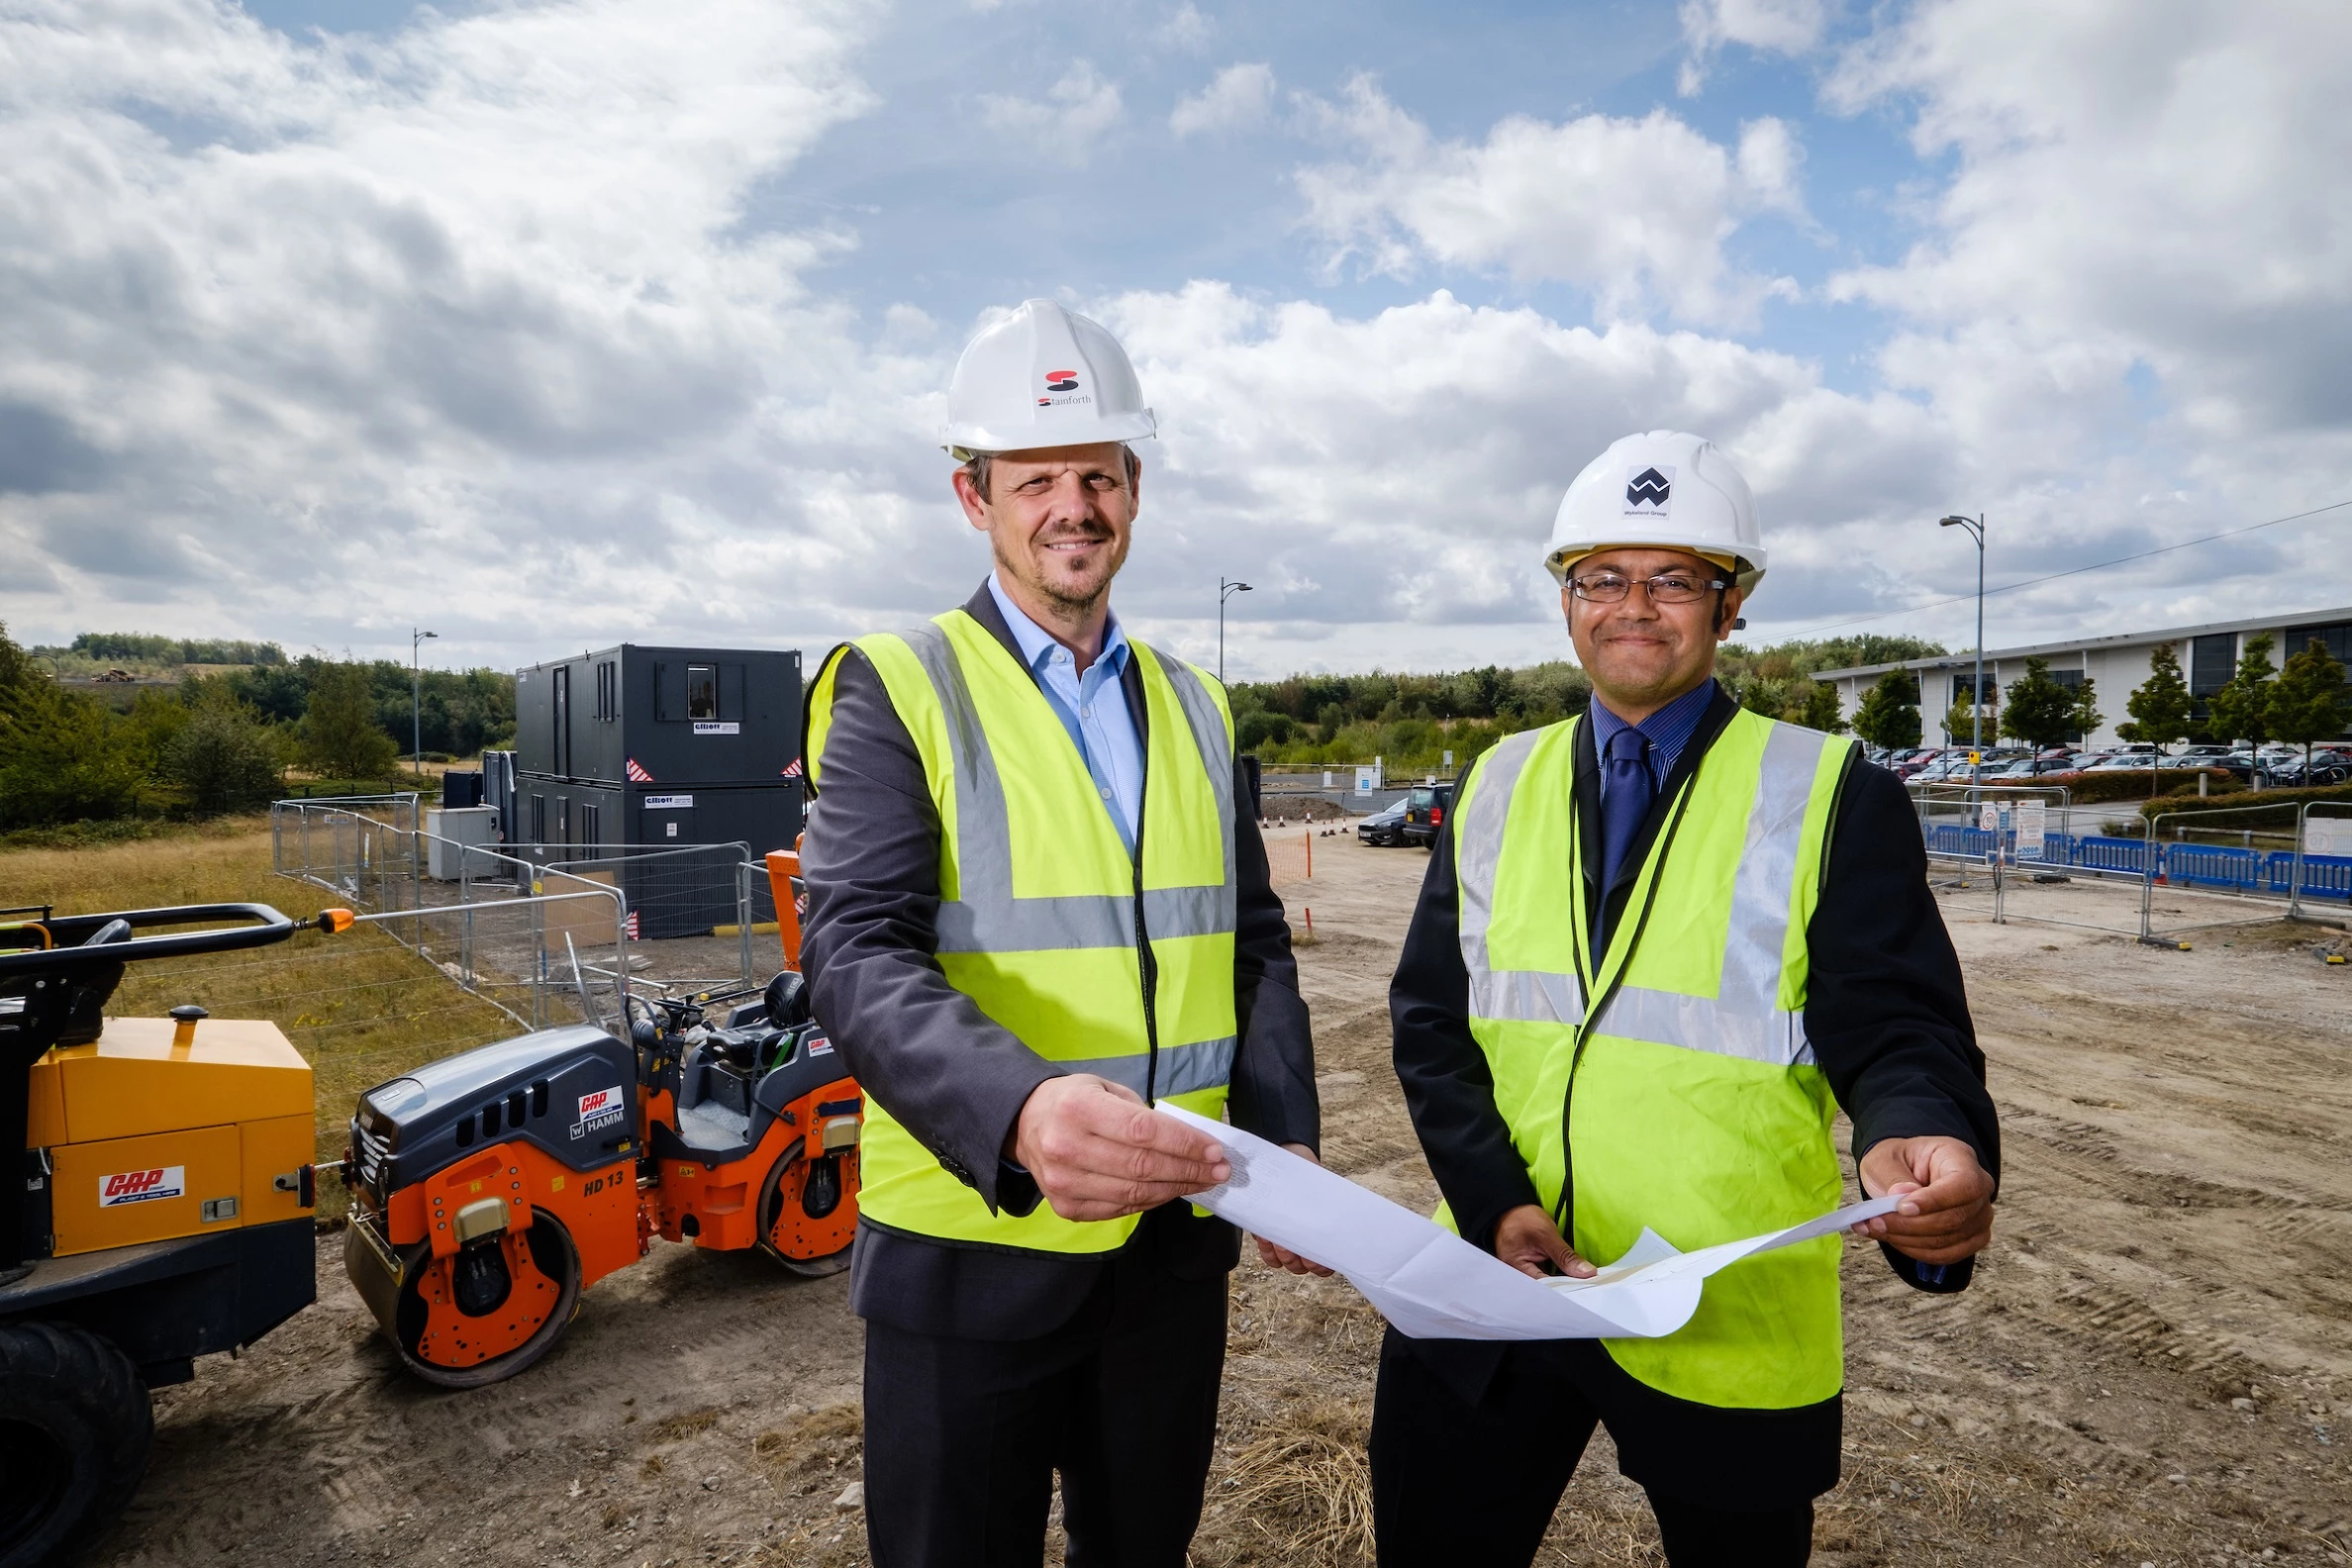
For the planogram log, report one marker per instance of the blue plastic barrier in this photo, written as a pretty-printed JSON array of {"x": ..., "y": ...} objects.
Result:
[
  {"x": 2323, "y": 876},
  {"x": 1947, "y": 839},
  {"x": 2099, "y": 852},
  {"x": 2211, "y": 865}
]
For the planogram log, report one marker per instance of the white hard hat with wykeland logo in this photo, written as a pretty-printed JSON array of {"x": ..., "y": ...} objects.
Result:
[{"x": 1660, "y": 490}]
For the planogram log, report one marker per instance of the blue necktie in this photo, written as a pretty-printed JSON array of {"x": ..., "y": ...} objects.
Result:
[{"x": 1627, "y": 791}]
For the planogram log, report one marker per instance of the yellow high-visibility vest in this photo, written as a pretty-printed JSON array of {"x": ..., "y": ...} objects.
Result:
[
  {"x": 1689, "y": 1102},
  {"x": 1044, "y": 917}
]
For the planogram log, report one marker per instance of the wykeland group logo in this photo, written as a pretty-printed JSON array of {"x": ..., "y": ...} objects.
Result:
[
  {"x": 1064, "y": 382},
  {"x": 602, "y": 1108},
  {"x": 1649, "y": 491},
  {"x": 141, "y": 1186}
]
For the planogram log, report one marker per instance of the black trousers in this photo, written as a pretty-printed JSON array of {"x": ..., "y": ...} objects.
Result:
[
  {"x": 963, "y": 1436},
  {"x": 1468, "y": 1469}
]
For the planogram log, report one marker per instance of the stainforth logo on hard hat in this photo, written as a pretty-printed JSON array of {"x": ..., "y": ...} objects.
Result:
[
  {"x": 1064, "y": 381},
  {"x": 1648, "y": 493}
]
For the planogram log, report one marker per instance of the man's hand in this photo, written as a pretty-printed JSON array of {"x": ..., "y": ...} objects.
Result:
[
  {"x": 1947, "y": 1198},
  {"x": 1282, "y": 1257},
  {"x": 1098, "y": 1151},
  {"x": 1527, "y": 1240}
]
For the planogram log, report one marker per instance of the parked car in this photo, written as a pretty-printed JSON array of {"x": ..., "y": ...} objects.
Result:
[
  {"x": 1424, "y": 813},
  {"x": 1386, "y": 828},
  {"x": 2331, "y": 765}
]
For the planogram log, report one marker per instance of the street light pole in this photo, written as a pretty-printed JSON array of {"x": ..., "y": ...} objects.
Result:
[
  {"x": 1976, "y": 695},
  {"x": 1225, "y": 590},
  {"x": 417, "y": 702}
]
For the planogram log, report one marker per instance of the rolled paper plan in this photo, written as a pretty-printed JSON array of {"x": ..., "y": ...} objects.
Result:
[{"x": 1434, "y": 1285}]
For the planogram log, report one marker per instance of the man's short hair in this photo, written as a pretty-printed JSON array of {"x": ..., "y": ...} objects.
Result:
[{"x": 977, "y": 465}]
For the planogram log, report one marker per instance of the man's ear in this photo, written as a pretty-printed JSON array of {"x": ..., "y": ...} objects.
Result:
[
  {"x": 968, "y": 494},
  {"x": 1728, "y": 612}
]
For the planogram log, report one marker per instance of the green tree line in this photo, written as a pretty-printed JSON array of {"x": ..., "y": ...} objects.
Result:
[
  {"x": 223, "y": 742},
  {"x": 1410, "y": 721},
  {"x": 144, "y": 647}
]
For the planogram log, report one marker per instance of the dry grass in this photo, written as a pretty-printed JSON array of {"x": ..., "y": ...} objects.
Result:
[
  {"x": 687, "y": 1423},
  {"x": 359, "y": 1006},
  {"x": 808, "y": 1462},
  {"x": 1303, "y": 1489}
]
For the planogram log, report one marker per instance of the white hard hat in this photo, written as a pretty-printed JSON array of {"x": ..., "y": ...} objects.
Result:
[
  {"x": 1666, "y": 490},
  {"x": 1042, "y": 378}
]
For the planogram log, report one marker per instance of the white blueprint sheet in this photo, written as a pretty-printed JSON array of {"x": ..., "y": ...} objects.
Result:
[{"x": 1434, "y": 1285}]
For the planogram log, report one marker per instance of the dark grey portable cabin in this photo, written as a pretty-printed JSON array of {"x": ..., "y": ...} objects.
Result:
[{"x": 664, "y": 746}]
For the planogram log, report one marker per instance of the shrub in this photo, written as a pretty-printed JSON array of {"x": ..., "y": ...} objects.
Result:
[
  {"x": 2257, "y": 801},
  {"x": 2108, "y": 785},
  {"x": 222, "y": 761}
]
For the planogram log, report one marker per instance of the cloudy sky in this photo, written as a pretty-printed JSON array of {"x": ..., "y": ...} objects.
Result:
[{"x": 550, "y": 325}]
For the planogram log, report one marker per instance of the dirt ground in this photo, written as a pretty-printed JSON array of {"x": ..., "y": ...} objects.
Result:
[{"x": 2152, "y": 1368}]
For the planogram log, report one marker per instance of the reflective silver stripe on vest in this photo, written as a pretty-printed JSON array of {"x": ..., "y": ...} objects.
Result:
[
  {"x": 1530, "y": 996},
  {"x": 1200, "y": 910},
  {"x": 1742, "y": 1019},
  {"x": 1205, "y": 1064},
  {"x": 987, "y": 916}
]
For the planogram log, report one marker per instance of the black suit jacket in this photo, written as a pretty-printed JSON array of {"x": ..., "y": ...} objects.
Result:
[{"x": 955, "y": 1078}]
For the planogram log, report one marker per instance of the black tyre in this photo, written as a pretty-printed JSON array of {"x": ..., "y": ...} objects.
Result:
[{"x": 75, "y": 1427}]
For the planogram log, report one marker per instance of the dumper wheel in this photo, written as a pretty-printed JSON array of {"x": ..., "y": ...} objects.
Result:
[
  {"x": 75, "y": 1427},
  {"x": 815, "y": 1248},
  {"x": 445, "y": 1343}
]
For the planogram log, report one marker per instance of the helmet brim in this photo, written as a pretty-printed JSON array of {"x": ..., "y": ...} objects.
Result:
[{"x": 963, "y": 442}]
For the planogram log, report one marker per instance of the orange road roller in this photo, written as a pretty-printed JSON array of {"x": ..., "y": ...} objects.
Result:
[{"x": 490, "y": 1188}]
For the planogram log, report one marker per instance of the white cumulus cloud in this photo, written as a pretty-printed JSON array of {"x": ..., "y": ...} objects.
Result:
[
  {"x": 1779, "y": 27},
  {"x": 1636, "y": 211},
  {"x": 1067, "y": 123},
  {"x": 1235, "y": 99}
]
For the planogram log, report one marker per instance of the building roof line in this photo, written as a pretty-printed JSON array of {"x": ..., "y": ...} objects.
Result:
[{"x": 1966, "y": 660}]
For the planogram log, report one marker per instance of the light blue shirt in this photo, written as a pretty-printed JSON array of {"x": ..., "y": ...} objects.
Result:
[{"x": 1092, "y": 708}]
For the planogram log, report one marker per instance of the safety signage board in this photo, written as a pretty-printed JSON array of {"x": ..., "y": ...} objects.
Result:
[
  {"x": 2033, "y": 820},
  {"x": 1989, "y": 816},
  {"x": 2327, "y": 836}
]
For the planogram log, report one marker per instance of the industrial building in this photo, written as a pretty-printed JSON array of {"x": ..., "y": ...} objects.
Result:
[
  {"x": 2116, "y": 665},
  {"x": 662, "y": 746}
]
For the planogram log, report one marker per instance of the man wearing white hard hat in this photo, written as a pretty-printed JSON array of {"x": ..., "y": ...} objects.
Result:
[
  {"x": 1038, "y": 903},
  {"x": 1658, "y": 949}
]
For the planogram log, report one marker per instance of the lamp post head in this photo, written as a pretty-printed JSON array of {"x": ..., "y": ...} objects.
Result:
[{"x": 1956, "y": 522}]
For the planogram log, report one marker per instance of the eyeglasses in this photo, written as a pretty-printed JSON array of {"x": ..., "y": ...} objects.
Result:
[{"x": 1667, "y": 588}]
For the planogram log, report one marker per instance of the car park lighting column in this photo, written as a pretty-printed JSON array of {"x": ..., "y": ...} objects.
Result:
[{"x": 1976, "y": 693}]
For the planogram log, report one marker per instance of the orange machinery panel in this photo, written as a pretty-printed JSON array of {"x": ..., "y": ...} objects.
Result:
[
  {"x": 120, "y": 1191},
  {"x": 132, "y": 1080},
  {"x": 599, "y": 1208}
]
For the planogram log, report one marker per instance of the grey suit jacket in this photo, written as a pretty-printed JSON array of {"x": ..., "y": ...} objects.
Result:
[{"x": 955, "y": 1078}]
